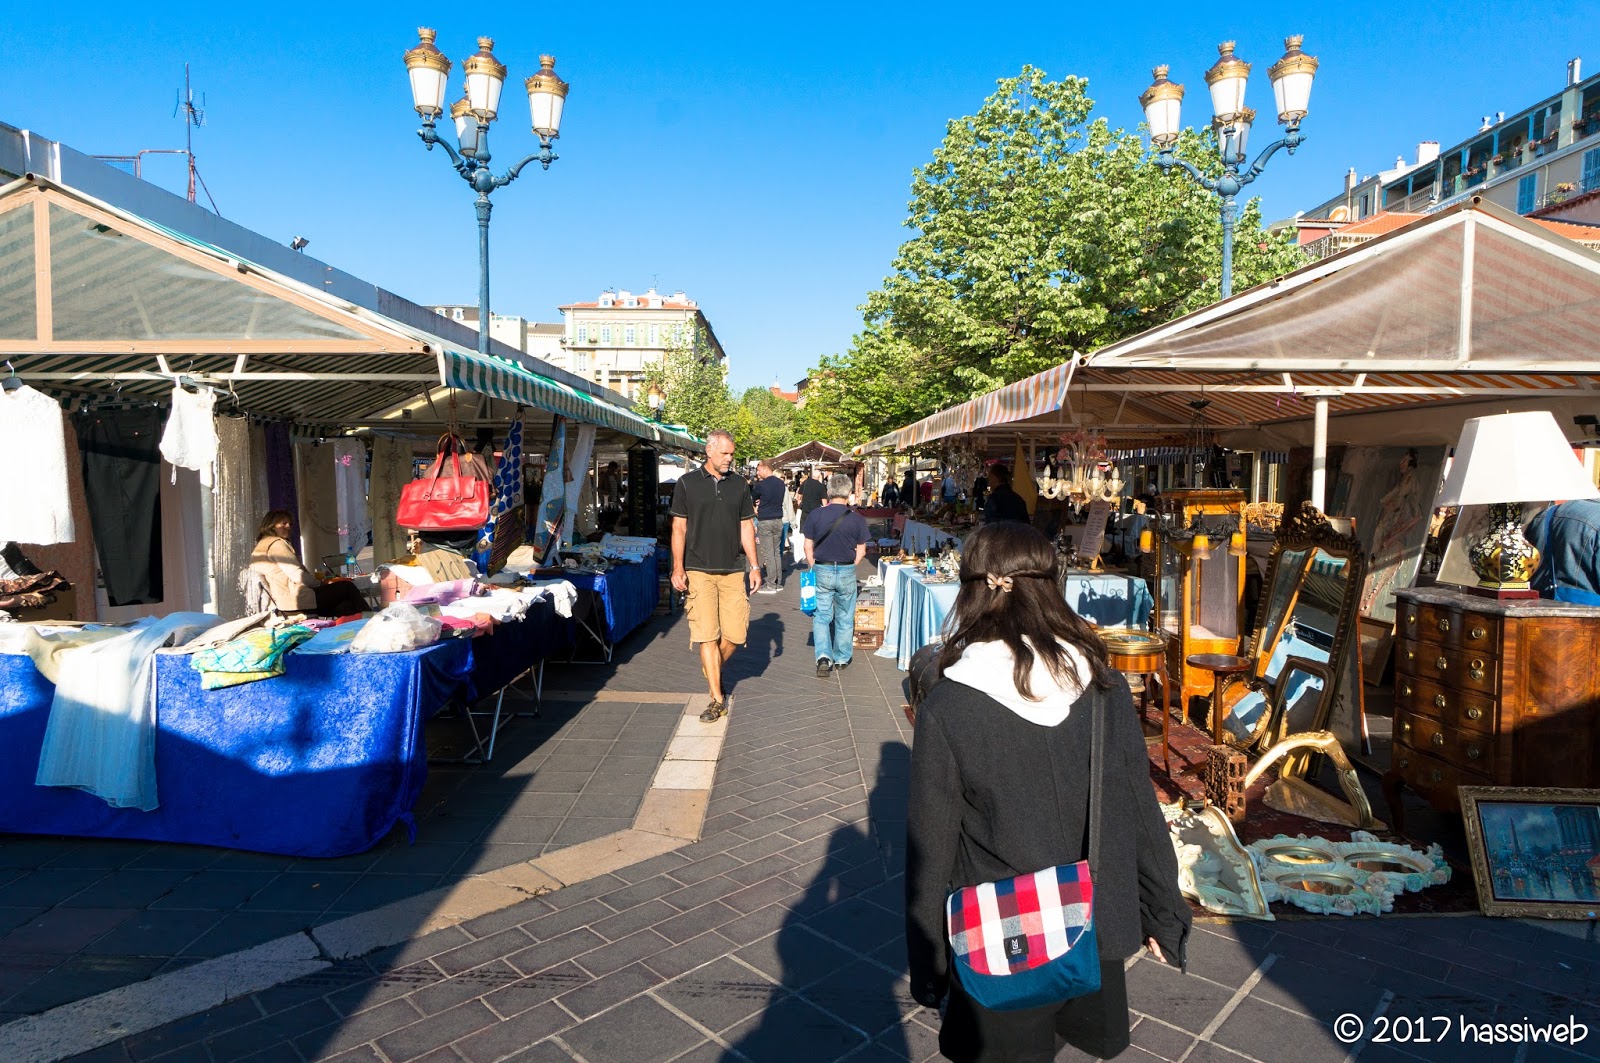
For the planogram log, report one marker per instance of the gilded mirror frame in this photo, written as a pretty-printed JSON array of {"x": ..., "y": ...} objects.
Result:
[{"x": 1308, "y": 531}]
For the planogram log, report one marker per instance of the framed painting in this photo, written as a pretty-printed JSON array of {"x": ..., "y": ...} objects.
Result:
[{"x": 1535, "y": 850}]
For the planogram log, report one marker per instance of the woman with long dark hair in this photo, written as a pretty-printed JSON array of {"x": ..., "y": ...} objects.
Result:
[{"x": 1000, "y": 787}]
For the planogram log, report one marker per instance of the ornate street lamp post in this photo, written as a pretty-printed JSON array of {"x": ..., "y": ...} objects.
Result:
[
  {"x": 1291, "y": 88},
  {"x": 485, "y": 76}
]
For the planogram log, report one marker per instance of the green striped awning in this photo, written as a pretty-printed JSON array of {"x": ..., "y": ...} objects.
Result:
[{"x": 502, "y": 378}]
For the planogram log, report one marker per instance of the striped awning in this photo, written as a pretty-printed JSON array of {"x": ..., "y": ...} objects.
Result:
[
  {"x": 502, "y": 378},
  {"x": 1039, "y": 394}
]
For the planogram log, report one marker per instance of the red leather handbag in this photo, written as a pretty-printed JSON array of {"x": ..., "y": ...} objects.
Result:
[{"x": 457, "y": 502}]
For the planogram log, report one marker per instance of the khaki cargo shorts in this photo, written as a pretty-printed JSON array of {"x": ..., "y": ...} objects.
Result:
[{"x": 718, "y": 607}]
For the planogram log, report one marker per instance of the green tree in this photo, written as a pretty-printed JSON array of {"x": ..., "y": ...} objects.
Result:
[
  {"x": 1040, "y": 232},
  {"x": 693, "y": 384}
]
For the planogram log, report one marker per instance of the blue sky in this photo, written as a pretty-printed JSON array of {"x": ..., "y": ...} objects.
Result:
[{"x": 758, "y": 158}]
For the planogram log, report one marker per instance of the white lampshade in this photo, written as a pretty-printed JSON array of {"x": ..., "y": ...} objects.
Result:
[
  {"x": 1514, "y": 457},
  {"x": 428, "y": 69},
  {"x": 467, "y": 132},
  {"x": 486, "y": 76},
  {"x": 1163, "y": 104},
  {"x": 1227, "y": 80},
  {"x": 547, "y": 98},
  {"x": 1291, "y": 81}
]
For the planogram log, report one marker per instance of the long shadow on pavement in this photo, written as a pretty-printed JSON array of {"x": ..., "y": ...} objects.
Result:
[{"x": 841, "y": 952}]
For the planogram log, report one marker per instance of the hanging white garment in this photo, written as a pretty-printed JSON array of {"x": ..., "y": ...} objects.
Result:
[
  {"x": 190, "y": 439},
  {"x": 38, "y": 507},
  {"x": 391, "y": 470},
  {"x": 350, "y": 480},
  {"x": 240, "y": 503},
  {"x": 578, "y": 465}
]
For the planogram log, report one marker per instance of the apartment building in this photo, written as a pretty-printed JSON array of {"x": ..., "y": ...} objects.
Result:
[
  {"x": 613, "y": 338},
  {"x": 1539, "y": 158}
]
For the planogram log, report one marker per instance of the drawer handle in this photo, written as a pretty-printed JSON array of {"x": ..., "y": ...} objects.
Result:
[
  {"x": 1478, "y": 634},
  {"x": 1438, "y": 776},
  {"x": 1411, "y": 655},
  {"x": 1405, "y": 729},
  {"x": 1473, "y": 712},
  {"x": 1405, "y": 762},
  {"x": 1439, "y": 701},
  {"x": 1442, "y": 663},
  {"x": 1411, "y": 618},
  {"x": 1476, "y": 668},
  {"x": 1444, "y": 623},
  {"x": 1408, "y": 690},
  {"x": 1473, "y": 753},
  {"x": 1437, "y": 739}
]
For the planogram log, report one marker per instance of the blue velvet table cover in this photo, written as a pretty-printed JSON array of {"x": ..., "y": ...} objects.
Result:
[
  {"x": 627, "y": 593},
  {"x": 1109, "y": 600},
  {"x": 512, "y": 648},
  {"x": 920, "y": 613},
  {"x": 321, "y": 761}
]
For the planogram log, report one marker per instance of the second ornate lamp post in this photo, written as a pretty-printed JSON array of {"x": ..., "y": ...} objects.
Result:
[
  {"x": 485, "y": 75},
  {"x": 1291, "y": 87}
]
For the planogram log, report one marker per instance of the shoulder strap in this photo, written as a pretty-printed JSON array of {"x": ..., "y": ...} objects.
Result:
[
  {"x": 1097, "y": 775},
  {"x": 835, "y": 524}
]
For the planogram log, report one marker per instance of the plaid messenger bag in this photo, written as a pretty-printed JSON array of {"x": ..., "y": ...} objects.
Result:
[{"x": 1028, "y": 941}]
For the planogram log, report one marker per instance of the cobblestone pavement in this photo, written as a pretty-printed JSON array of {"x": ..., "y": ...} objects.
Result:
[{"x": 778, "y": 935}]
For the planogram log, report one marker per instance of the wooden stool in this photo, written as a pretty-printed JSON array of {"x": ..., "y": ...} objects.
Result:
[{"x": 1144, "y": 654}]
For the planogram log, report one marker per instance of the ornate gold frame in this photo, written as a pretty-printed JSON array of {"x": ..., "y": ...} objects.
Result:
[{"x": 1488, "y": 904}]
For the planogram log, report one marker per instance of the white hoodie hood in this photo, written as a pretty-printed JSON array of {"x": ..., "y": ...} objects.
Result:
[{"x": 989, "y": 667}]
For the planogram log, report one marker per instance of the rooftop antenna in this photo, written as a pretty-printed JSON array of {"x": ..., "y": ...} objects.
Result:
[{"x": 193, "y": 117}]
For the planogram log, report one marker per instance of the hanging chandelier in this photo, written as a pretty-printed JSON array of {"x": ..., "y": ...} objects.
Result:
[{"x": 1200, "y": 442}]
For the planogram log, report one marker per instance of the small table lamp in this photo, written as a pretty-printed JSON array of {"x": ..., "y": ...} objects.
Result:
[{"x": 1502, "y": 462}]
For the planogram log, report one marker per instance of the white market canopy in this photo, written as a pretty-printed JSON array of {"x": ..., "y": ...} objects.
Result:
[
  {"x": 813, "y": 453},
  {"x": 1469, "y": 310},
  {"x": 94, "y": 297}
]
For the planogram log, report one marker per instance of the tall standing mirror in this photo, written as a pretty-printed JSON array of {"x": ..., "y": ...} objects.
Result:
[{"x": 1304, "y": 630}]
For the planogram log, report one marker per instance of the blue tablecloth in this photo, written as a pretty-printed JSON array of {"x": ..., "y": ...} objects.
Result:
[
  {"x": 1109, "y": 600},
  {"x": 920, "y": 611},
  {"x": 511, "y": 649},
  {"x": 321, "y": 761},
  {"x": 627, "y": 595}
]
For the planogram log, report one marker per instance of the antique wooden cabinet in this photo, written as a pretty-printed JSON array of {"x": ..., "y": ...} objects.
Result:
[{"x": 1491, "y": 693}]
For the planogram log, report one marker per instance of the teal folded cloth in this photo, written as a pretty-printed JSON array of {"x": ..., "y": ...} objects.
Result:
[{"x": 255, "y": 655}]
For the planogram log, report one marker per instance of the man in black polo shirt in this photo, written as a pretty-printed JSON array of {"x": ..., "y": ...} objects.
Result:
[
  {"x": 1003, "y": 503},
  {"x": 768, "y": 492},
  {"x": 836, "y": 541},
  {"x": 712, "y": 524}
]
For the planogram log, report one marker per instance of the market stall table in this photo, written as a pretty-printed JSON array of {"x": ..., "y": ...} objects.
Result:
[
  {"x": 919, "y": 614},
  {"x": 919, "y": 537},
  {"x": 625, "y": 596},
  {"x": 323, "y": 760}
]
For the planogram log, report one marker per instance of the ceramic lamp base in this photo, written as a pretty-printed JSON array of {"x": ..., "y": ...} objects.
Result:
[{"x": 1504, "y": 560}]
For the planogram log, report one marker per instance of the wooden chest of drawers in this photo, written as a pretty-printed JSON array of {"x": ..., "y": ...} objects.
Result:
[{"x": 1492, "y": 693}]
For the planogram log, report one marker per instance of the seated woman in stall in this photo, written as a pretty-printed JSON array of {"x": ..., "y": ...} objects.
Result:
[{"x": 276, "y": 578}]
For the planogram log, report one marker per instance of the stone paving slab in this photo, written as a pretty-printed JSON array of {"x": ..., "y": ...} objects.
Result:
[{"x": 778, "y": 934}]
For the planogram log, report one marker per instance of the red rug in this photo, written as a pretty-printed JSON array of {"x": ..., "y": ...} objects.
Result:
[{"x": 1189, "y": 745}]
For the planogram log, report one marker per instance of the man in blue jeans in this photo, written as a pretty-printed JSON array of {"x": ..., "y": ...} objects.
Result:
[{"x": 836, "y": 541}]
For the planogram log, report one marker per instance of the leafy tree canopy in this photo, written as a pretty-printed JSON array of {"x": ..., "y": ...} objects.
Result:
[{"x": 1040, "y": 232}]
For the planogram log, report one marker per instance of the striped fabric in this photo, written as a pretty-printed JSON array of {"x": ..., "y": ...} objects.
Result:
[
  {"x": 504, "y": 379},
  {"x": 1023, "y": 923},
  {"x": 1039, "y": 394}
]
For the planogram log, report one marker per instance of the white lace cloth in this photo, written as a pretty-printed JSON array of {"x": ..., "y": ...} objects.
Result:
[
  {"x": 37, "y": 509},
  {"x": 627, "y": 547},
  {"x": 189, "y": 440}
]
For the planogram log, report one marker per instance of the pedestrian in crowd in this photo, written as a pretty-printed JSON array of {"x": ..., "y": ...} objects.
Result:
[
  {"x": 925, "y": 492},
  {"x": 1001, "y": 787},
  {"x": 813, "y": 494},
  {"x": 769, "y": 493},
  {"x": 908, "y": 489},
  {"x": 1003, "y": 503},
  {"x": 713, "y": 523},
  {"x": 836, "y": 541},
  {"x": 890, "y": 496},
  {"x": 980, "y": 490},
  {"x": 1568, "y": 538},
  {"x": 949, "y": 490},
  {"x": 791, "y": 516},
  {"x": 797, "y": 541}
]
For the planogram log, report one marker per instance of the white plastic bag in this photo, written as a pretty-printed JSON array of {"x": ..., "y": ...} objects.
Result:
[{"x": 400, "y": 627}]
